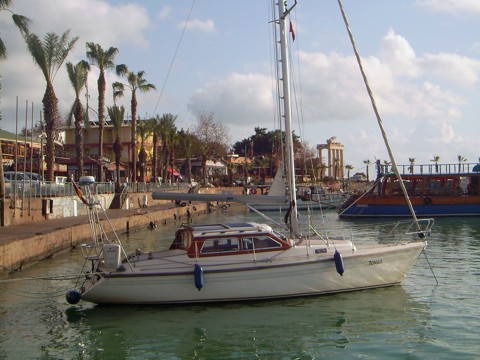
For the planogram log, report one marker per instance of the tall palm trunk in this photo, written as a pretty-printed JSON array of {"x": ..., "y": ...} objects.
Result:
[
  {"x": 50, "y": 109},
  {"x": 133, "y": 137},
  {"x": 2, "y": 180},
  {"x": 101, "y": 122},
  {"x": 117, "y": 149},
  {"x": 155, "y": 157},
  {"x": 79, "y": 136},
  {"x": 164, "y": 157}
]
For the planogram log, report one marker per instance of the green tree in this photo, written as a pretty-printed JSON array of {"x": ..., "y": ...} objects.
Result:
[
  {"x": 135, "y": 81},
  {"x": 103, "y": 60},
  {"x": 22, "y": 23},
  {"x": 78, "y": 78},
  {"x": 173, "y": 140},
  {"x": 348, "y": 168},
  {"x": 412, "y": 163},
  {"x": 435, "y": 159},
  {"x": 461, "y": 159},
  {"x": 116, "y": 115},
  {"x": 49, "y": 55},
  {"x": 160, "y": 127},
  {"x": 187, "y": 140},
  {"x": 167, "y": 122},
  {"x": 213, "y": 138}
]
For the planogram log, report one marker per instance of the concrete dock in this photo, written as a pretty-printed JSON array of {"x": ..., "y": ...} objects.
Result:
[{"x": 24, "y": 244}]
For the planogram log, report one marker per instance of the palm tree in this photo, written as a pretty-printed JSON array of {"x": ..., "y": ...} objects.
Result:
[
  {"x": 135, "y": 82},
  {"x": 22, "y": 23},
  {"x": 160, "y": 127},
  {"x": 386, "y": 164},
  {"x": 348, "y": 168},
  {"x": 154, "y": 126},
  {"x": 49, "y": 55},
  {"x": 461, "y": 159},
  {"x": 435, "y": 159},
  {"x": 116, "y": 115},
  {"x": 173, "y": 140},
  {"x": 412, "y": 162},
  {"x": 367, "y": 163},
  {"x": 78, "y": 78},
  {"x": 103, "y": 60},
  {"x": 167, "y": 124},
  {"x": 144, "y": 130},
  {"x": 186, "y": 140}
]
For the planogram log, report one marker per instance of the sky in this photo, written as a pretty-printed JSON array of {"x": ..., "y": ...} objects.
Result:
[{"x": 422, "y": 59}]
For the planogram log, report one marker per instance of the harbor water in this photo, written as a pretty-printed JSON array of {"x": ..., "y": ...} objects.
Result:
[{"x": 417, "y": 320}]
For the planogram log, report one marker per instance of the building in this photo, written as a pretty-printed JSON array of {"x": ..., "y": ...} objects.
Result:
[
  {"x": 92, "y": 161},
  {"x": 334, "y": 157},
  {"x": 20, "y": 153}
]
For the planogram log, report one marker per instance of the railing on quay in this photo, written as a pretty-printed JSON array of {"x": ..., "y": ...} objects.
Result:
[{"x": 43, "y": 189}]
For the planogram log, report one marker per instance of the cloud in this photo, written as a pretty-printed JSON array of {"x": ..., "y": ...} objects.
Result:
[
  {"x": 418, "y": 101},
  {"x": 22, "y": 78},
  {"x": 462, "y": 70},
  {"x": 164, "y": 12},
  {"x": 241, "y": 101},
  {"x": 196, "y": 24},
  {"x": 455, "y": 7}
]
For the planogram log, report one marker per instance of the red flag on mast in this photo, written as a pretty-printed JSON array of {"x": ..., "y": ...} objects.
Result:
[{"x": 292, "y": 31}]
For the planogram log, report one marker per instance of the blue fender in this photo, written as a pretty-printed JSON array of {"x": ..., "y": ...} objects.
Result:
[{"x": 198, "y": 273}]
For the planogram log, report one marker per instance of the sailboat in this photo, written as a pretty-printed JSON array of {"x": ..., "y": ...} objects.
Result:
[{"x": 243, "y": 261}]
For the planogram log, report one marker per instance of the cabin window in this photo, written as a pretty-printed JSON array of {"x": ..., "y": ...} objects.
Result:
[
  {"x": 259, "y": 242},
  {"x": 219, "y": 245}
]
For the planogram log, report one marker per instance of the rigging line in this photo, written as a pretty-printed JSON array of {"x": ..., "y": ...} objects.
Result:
[
  {"x": 271, "y": 35},
  {"x": 377, "y": 114},
  {"x": 32, "y": 295},
  {"x": 298, "y": 99},
  {"x": 35, "y": 278},
  {"x": 174, "y": 57}
]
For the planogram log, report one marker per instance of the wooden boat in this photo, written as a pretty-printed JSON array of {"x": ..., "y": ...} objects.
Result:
[
  {"x": 434, "y": 190},
  {"x": 244, "y": 261}
]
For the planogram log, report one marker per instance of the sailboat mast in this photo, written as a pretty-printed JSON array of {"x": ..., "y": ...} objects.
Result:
[{"x": 287, "y": 114}]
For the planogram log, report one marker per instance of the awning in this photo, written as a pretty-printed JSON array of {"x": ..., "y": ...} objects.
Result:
[
  {"x": 175, "y": 172},
  {"x": 113, "y": 167}
]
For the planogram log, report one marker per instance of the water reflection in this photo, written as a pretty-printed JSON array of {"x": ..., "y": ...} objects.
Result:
[
  {"x": 416, "y": 320},
  {"x": 302, "y": 328}
]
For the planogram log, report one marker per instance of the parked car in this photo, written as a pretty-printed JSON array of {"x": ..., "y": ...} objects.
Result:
[
  {"x": 16, "y": 179},
  {"x": 36, "y": 177},
  {"x": 15, "y": 176},
  {"x": 86, "y": 180},
  {"x": 358, "y": 177},
  {"x": 239, "y": 181}
]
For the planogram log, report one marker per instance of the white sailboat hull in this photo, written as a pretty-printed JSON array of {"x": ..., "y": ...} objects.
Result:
[{"x": 292, "y": 273}]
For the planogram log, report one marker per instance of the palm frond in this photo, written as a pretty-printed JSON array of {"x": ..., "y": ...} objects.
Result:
[
  {"x": 3, "y": 50},
  {"x": 37, "y": 51},
  {"x": 23, "y": 23}
]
